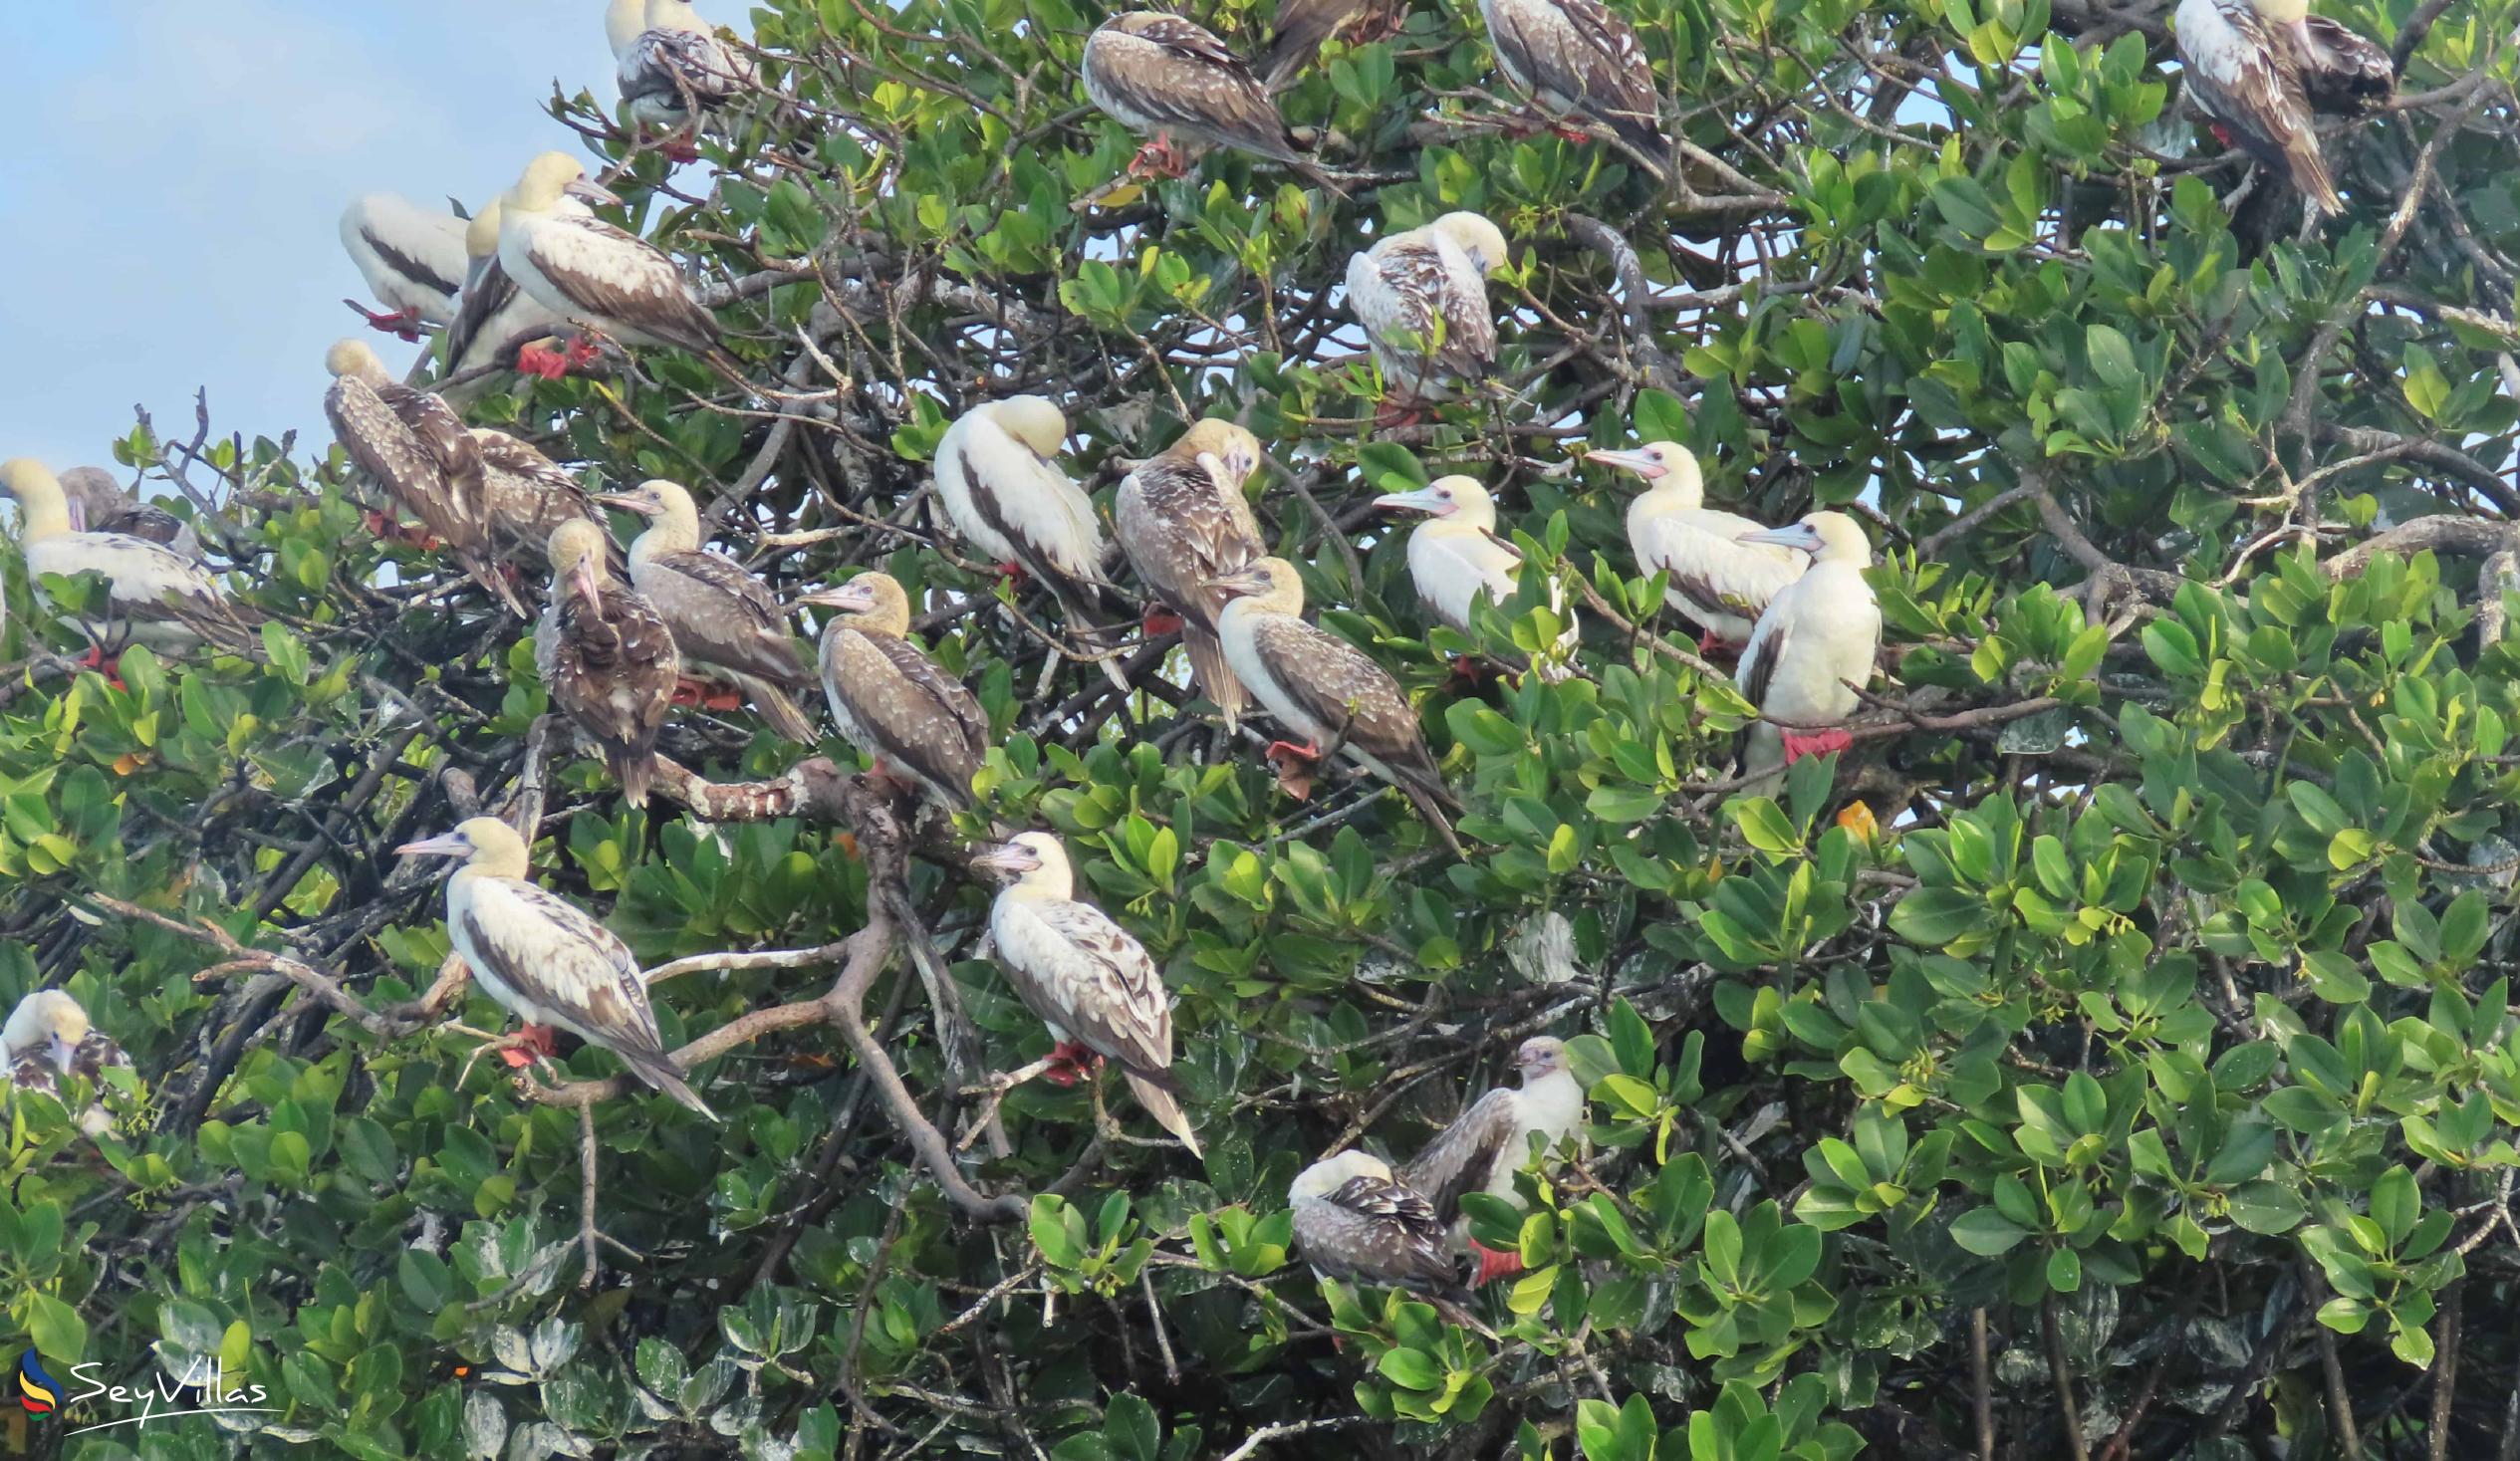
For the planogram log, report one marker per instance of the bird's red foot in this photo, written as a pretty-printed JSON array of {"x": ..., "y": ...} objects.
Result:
[
  {"x": 1159, "y": 159},
  {"x": 533, "y": 360},
  {"x": 1013, "y": 572},
  {"x": 1392, "y": 416},
  {"x": 1293, "y": 765},
  {"x": 582, "y": 353},
  {"x": 2221, "y": 132},
  {"x": 1494, "y": 1264},
  {"x": 109, "y": 665},
  {"x": 1294, "y": 750},
  {"x": 691, "y": 692},
  {"x": 394, "y": 531},
  {"x": 1071, "y": 1062},
  {"x": 1572, "y": 133},
  {"x": 1161, "y": 621},
  {"x": 1719, "y": 649},
  {"x": 402, "y": 323},
  {"x": 532, "y": 1043},
  {"x": 1799, "y": 744}
]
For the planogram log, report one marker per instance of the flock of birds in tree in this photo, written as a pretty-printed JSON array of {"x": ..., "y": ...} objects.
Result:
[{"x": 535, "y": 282}]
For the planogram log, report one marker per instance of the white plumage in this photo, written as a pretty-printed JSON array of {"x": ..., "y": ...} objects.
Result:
[
  {"x": 1817, "y": 640},
  {"x": 1456, "y": 556},
  {"x": 1720, "y": 582},
  {"x": 669, "y": 62},
  {"x": 49, "y": 1036},
  {"x": 1483, "y": 1149},
  {"x": 412, "y": 257},
  {"x": 587, "y": 271},
  {"x": 155, "y": 595},
  {"x": 997, "y": 470},
  {"x": 1421, "y": 294}
]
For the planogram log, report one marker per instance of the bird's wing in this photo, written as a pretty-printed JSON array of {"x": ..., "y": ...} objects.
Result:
[
  {"x": 1371, "y": 1228},
  {"x": 1085, "y": 974},
  {"x": 95, "y": 1053},
  {"x": 2240, "y": 78},
  {"x": 526, "y": 494},
  {"x": 683, "y": 68},
  {"x": 1417, "y": 298},
  {"x": 902, "y": 702},
  {"x": 1337, "y": 685},
  {"x": 442, "y": 433},
  {"x": 2344, "y": 72},
  {"x": 1716, "y": 570},
  {"x": 487, "y": 290},
  {"x": 386, "y": 446},
  {"x": 576, "y": 971},
  {"x": 1770, "y": 638},
  {"x": 1186, "y": 533},
  {"x": 1463, "y": 1154},
  {"x": 1297, "y": 34},
  {"x": 614, "y": 671},
  {"x": 723, "y": 616},
  {"x": 1174, "y": 75},
  {"x": 607, "y": 274},
  {"x": 150, "y": 583},
  {"x": 1033, "y": 506},
  {"x": 407, "y": 263},
  {"x": 1586, "y": 53}
]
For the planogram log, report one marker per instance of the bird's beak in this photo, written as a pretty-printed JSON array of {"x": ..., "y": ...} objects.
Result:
[
  {"x": 1008, "y": 857},
  {"x": 848, "y": 598},
  {"x": 588, "y": 190},
  {"x": 588, "y": 578},
  {"x": 63, "y": 1051},
  {"x": 1793, "y": 535},
  {"x": 444, "y": 845},
  {"x": 1422, "y": 500},
  {"x": 1629, "y": 461},
  {"x": 1237, "y": 585},
  {"x": 630, "y": 502},
  {"x": 78, "y": 506}
]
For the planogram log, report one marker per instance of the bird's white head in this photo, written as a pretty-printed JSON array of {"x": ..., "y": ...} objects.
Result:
[
  {"x": 48, "y": 1023},
  {"x": 623, "y": 22},
  {"x": 43, "y": 508},
  {"x": 1828, "y": 537},
  {"x": 662, "y": 502},
  {"x": 551, "y": 177},
  {"x": 1456, "y": 499},
  {"x": 578, "y": 550},
  {"x": 1334, "y": 1172},
  {"x": 1543, "y": 1054},
  {"x": 2282, "y": 12},
  {"x": 1032, "y": 861},
  {"x": 486, "y": 844},
  {"x": 353, "y": 359},
  {"x": 871, "y": 601},
  {"x": 1230, "y": 451},
  {"x": 1669, "y": 466},
  {"x": 1475, "y": 235},
  {"x": 1031, "y": 419},
  {"x": 674, "y": 15},
  {"x": 1271, "y": 583}
]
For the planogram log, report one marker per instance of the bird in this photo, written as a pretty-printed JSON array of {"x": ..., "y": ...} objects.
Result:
[
  {"x": 546, "y": 960},
  {"x": 671, "y": 67},
  {"x": 1580, "y": 59},
  {"x": 1084, "y": 976},
  {"x": 1813, "y": 645},
  {"x": 893, "y": 702},
  {"x": 2259, "y": 69},
  {"x": 721, "y": 616},
  {"x": 49, "y": 1036},
  {"x": 412, "y": 257},
  {"x": 606, "y": 657},
  {"x": 416, "y": 447},
  {"x": 498, "y": 324},
  {"x": 1489, "y": 1143},
  {"x": 97, "y": 504},
  {"x": 1458, "y": 556},
  {"x": 1421, "y": 294},
  {"x": 1326, "y": 691},
  {"x": 1165, "y": 76},
  {"x": 525, "y": 496},
  {"x": 587, "y": 271},
  {"x": 154, "y": 596},
  {"x": 1183, "y": 523},
  {"x": 1301, "y": 26},
  {"x": 1355, "y": 1220},
  {"x": 1716, "y": 577}
]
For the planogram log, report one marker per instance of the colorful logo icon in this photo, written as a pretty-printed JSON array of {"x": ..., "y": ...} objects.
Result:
[{"x": 37, "y": 1391}]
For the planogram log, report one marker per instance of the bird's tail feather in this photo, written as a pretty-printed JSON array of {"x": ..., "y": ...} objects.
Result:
[
  {"x": 1215, "y": 677},
  {"x": 1165, "y": 1108},
  {"x": 659, "y": 1071},
  {"x": 776, "y": 705},
  {"x": 1430, "y": 811}
]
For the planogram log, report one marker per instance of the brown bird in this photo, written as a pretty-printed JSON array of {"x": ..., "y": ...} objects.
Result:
[
  {"x": 721, "y": 616},
  {"x": 1355, "y": 1220},
  {"x": 419, "y": 451},
  {"x": 1301, "y": 26},
  {"x": 606, "y": 657},
  {"x": 892, "y": 701},
  {"x": 1181, "y": 520},
  {"x": 1166, "y": 77},
  {"x": 97, "y": 504},
  {"x": 526, "y": 496},
  {"x": 1580, "y": 59}
]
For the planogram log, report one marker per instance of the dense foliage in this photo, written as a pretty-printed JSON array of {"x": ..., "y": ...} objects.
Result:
[{"x": 2112, "y": 1054}]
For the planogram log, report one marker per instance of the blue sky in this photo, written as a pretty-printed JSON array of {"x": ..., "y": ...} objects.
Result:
[{"x": 168, "y": 207}]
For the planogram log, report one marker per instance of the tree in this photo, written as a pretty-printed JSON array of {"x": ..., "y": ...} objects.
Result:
[{"x": 2109, "y": 1054}]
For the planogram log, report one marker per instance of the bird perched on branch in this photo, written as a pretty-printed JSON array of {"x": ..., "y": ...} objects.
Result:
[
  {"x": 2259, "y": 69},
  {"x": 998, "y": 474},
  {"x": 97, "y": 504},
  {"x": 416, "y": 447},
  {"x": 890, "y": 700},
  {"x": 1813, "y": 648},
  {"x": 721, "y": 616},
  {"x": 1183, "y": 523},
  {"x": 673, "y": 69},
  {"x": 606, "y": 657},
  {"x": 1167, "y": 78},
  {"x": 1421, "y": 294},
  {"x": 412, "y": 257},
  {"x": 1718, "y": 579},
  {"x": 154, "y": 596},
  {"x": 1301, "y": 26},
  {"x": 1457, "y": 556},
  {"x": 545, "y": 959},
  {"x": 49, "y": 1036},
  {"x": 1580, "y": 59},
  {"x": 1491, "y": 1141},
  {"x": 1355, "y": 1220},
  {"x": 1325, "y": 689},
  {"x": 587, "y": 271},
  {"x": 1084, "y": 976},
  {"x": 497, "y": 323}
]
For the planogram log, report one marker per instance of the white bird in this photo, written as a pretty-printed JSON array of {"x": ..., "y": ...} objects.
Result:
[
  {"x": 722, "y": 617},
  {"x": 545, "y": 959},
  {"x": 2259, "y": 69},
  {"x": 1719, "y": 579},
  {"x": 499, "y": 324},
  {"x": 1458, "y": 556},
  {"x": 889, "y": 699},
  {"x": 1491, "y": 1141},
  {"x": 412, "y": 257},
  {"x": 1084, "y": 976},
  {"x": 671, "y": 67},
  {"x": 155, "y": 595},
  {"x": 49, "y": 1036},
  {"x": 1183, "y": 523},
  {"x": 998, "y": 474},
  {"x": 1355, "y": 1220},
  {"x": 1326, "y": 691},
  {"x": 1421, "y": 294},
  {"x": 586, "y": 270},
  {"x": 1812, "y": 647}
]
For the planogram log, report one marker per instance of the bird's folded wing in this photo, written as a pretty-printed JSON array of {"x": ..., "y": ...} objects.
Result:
[
  {"x": 1460, "y": 1157},
  {"x": 724, "y": 615},
  {"x": 1336, "y": 684},
  {"x": 558, "y": 956},
  {"x": 1174, "y": 72},
  {"x": 1099, "y": 985},
  {"x": 914, "y": 711}
]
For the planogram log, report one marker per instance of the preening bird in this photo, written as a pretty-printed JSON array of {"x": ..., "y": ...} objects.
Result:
[
  {"x": 671, "y": 67},
  {"x": 1325, "y": 689},
  {"x": 49, "y": 1036},
  {"x": 1354, "y": 1221},
  {"x": 497, "y": 323},
  {"x": 1166, "y": 77},
  {"x": 1813, "y": 646},
  {"x": 893, "y": 702},
  {"x": 1491, "y": 1141},
  {"x": 1301, "y": 26},
  {"x": 1421, "y": 294},
  {"x": 606, "y": 657},
  {"x": 1084, "y": 976},
  {"x": 586, "y": 270},
  {"x": 1183, "y": 523},
  {"x": 416, "y": 447},
  {"x": 545, "y": 959},
  {"x": 97, "y": 504},
  {"x": 721, "y": 616},
  {"x": 155, "y": 595},
  {"x": 2259, "y": 69},
  {"x": 412, "y": 257},
  {"x": 1456, "y": 556},
  {"x": 1719, "y": 579},
  {"x": 1580, "y": 59}
]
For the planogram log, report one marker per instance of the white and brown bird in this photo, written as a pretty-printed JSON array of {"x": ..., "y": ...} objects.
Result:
[
  {"x": 2260, "y": 69},
  {"x": 1813, "y": 646},
  {"x": 998, "y": 474},
  {"x": 1183, "y": 523},
  {"x": 1357, "y": 1222},
  {"x": 673, "y": 69},
  {"x": 1170, "y": 80},
  {"x": 605, "y": 655},
  {"x": 722, "y": 617},
  {"x": 154, "y": 596},
  {"x": 1491, "y": 1141},
  {"x": 412, "y": 257},
  {"x": 1421, "y": 294},
  {"x": 546, "y": 960},
  {"x": 1326, "y": 691},
  {"x": 1300, "y": 27},
  {"x": 97, "y": 504},
  {"x": 889, "y": 701},
  {"x": 416, "y": 447},
  {"x": 1716, "y": 577},
  {"x": 526, "y": 496},
  {"x": 1084, "y": 976},
  {"x": 49, "y": 1036},
  {"x": 1457, "y": 556},
  {"x": 602, "y": 278},
  {"x": 498, "y": 324},
  {"x": 1578, "y": 61}
]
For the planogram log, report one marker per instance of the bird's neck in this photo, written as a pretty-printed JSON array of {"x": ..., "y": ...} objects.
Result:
[
  {"x": 675, "y": 530},
  {"x": 42, "y": 514},
  {"x": 1045, "y": 885},
  {"x": 495, "y": 862},
  {"x": 1552, "y": 1104},
  {"x": 1673, "y": 493},
  {"x": 624, "y": 21}
]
